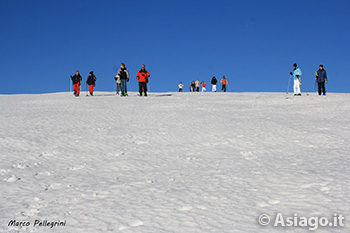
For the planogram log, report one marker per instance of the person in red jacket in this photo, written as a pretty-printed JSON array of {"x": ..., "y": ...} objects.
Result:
[
  {"x": 143, "y": 76},
  {"x": 224, "y": 84},
  {"x": 203, "y": 86}
]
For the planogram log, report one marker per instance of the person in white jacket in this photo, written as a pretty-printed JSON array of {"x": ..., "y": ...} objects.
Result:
[
  {"x": 181, "y": 86},
  {"x": 117, "y": 79}
]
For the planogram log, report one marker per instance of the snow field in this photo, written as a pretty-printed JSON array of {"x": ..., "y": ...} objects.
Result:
[{"x": 172, "y": 162}]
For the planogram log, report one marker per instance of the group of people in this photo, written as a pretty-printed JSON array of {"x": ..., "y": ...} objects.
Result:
[
  {"x": 121, "y": 78},
  {"x": 195, "y": 85},
  {"x": 76, "y": 79},
  {"x": 321, "y": 79}
]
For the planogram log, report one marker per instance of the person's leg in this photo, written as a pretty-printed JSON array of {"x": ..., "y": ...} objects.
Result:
[
  {"x": 91, "y": 89},
  {"x": 319, "y": 88},
  {"x": 298, "y": 87},
  {"x": 145, "y": 88},
  {"x": 295, "y": 87},
  {"x": 78, "y": 88},
  {"x": 140, "y": 88},
  {"x": 124, "y": 86},
  {"x": 324, "y": 88}
]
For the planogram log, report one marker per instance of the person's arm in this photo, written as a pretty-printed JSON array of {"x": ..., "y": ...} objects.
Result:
[
  {"x": 325, "y": 77},
  {"x": 117, "y": 75},
  {"x": 299, "y": 72},
  {"x": 127, "y": 75}
]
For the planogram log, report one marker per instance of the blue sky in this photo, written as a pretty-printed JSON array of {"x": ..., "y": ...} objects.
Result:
[{"x": 254, "y": 43}]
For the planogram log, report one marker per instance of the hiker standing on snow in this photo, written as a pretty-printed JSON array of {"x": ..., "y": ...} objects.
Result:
[
  {"x": 91, "y": 82},
  {"x": 123, "y": 76},
  {"x": 197, "y": 85},
  {"x": 76, "y": 83},
  {"x": 214, "y": 81},
  {"x": 321, "y": 78},
  {"x": 192, "y": 86},
  {"x": 297, "y": 80},
  {"x": 223, "y": 83},
  {"x": 181, "y": 86},
  {"x": 143, "y": 76},
  {"x": 117, "y": 79},
  {"x": 203, "y": 86}
]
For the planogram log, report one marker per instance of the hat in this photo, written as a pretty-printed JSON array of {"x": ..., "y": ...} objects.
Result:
[
  {"x": 321, "y": 65},
  {"x": 295, "y": 65},
  {"x": 91, "y": 72}
]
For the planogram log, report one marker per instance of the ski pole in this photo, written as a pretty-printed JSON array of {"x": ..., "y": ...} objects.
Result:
[
  {"x": 289, "y": 83},
  {"x": 70, "y": 85},
  {"x": 304, "y": 90},
  {"x": 86, "y": 90},
  {"x": 315, "y": 86},
  {"x": 129, "y": 85}
]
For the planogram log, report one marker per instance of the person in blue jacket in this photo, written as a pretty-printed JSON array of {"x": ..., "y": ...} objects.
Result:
[
  {"x": 297, "y": 80},
  {"x": 321, "y": 79}
]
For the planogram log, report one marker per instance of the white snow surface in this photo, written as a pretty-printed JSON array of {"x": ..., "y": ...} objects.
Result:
[{"x": 173, "y": 162}]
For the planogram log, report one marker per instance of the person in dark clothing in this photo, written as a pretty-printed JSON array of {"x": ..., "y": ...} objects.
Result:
[
  {"x": 123, "y": 75},
  {"x": 321, "y": 79},
  {"x": 142, "y": 77},
  {"x": 214, "y": 81},
  {"x": 91, "y": 82},
  {"x": 193, "y": 86},
  {"x": 76, "y": 83}
]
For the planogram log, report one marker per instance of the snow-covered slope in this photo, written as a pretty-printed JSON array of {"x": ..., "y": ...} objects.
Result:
[{"x": 188, "y": 162}]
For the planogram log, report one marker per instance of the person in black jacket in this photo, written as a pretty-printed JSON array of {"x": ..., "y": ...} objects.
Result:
[
  {"x": 193, "y": 86},
  {"x": 91, "y": 82},
  {"x": 123, "y": 75},
  {"x": 76, "y": 83},
  {"x": 214, "y": 81},
  {"x": 321, "y": 79}
]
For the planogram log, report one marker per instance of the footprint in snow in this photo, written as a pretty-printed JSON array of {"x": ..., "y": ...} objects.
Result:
[
  {"x": 12, "y": 179},
  {"x": 248, "y": 155},
  {"x": 3, "y": 171},
  {"x": 186, "y": 208},
  {"x": 78, "y": 167},
  {"x": 20, "y": 166},
  {"x": 47, "y": 154},
  {"x": 201, "y": 207},
  {"x": 141, "y": 142},
  {"x": 52, "y": 186},
  {"x": 132, "y": 224}
]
